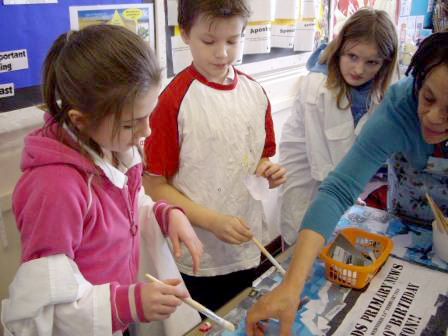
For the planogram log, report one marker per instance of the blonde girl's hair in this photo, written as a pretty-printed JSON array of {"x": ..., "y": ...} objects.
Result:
[
  {"x": 98, "y": 70},
  {"x": 366, "y": 25}
]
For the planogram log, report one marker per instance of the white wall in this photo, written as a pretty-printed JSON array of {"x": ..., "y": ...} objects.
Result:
[{"x": 280, "y": 85}]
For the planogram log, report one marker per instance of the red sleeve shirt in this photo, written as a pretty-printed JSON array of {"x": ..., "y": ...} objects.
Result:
[{"x": 162, "y": 146}]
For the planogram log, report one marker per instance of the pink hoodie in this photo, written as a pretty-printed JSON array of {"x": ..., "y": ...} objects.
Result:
[{"x": 63, "y": 203}]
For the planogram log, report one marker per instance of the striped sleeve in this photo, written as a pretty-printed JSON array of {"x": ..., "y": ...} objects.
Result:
[
  {"x": 161, "y": 211},
  {"x": 126, "y": 305}
]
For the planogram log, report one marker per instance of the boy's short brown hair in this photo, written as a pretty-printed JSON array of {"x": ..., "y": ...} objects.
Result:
[{"x": 189, "y": 10}]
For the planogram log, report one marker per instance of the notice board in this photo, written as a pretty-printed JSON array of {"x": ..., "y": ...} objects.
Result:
[{"x": 26, "y": 33}]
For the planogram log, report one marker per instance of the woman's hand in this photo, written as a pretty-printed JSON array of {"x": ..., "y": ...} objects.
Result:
[
  {"x": 181, "y": 231},
  {"x": 283, "y": 301},
  {"x": 280, "y": 304}
]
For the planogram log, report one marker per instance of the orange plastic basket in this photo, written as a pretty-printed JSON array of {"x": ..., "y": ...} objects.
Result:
[{"x": 357, "y": 276}]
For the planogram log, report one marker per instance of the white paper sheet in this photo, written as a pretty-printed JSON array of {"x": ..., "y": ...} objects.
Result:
[
  {"x": 13, "y": 60},
  {"x": 240, "y": 53},
  {"x": 283, "y": 28},
  {"x": 258, "y": 187},
  {"x": 262, "y": 10},
  {"x": 309, "y": 9},
  {"x": 172, "y": 12},
  {"x": 287, "y": 9},
  {"x": 305, "y": 34},
  {"x": 181, "y": 54},
  {"x": 282, "y": 35},
  {"x": 257, "y": 39},
  {"x": 6, "y": 90}
]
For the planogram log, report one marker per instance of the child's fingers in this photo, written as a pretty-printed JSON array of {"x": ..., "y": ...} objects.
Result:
[
  {"x": 231, "y": 230},
  {"x": 276, "y": 183},
  {"x": 242, "y": 223},
  {"x": 168, "y": 304},
  {"x": 234, "y": 237},
  {"x": 279, "y": 173},
  {"x": 241, "y": 238},
  {"x": 174, "y": 289},
  {"x": 172, "y": 282},
  {"x": 196, "y": 254},
  {"x": 232, "y": 240},
  {"x": 260, "y": 171},
  {"x": 176, "y": 247},
  {"x": 159, "y": 317},
  {"x": 159, "y": 300},
  {"x": 243, "y": 229},
  {"x": 196, "y": 263},
  {"x": 275, "y": 171},
  {"x": 270, "y": 170}
]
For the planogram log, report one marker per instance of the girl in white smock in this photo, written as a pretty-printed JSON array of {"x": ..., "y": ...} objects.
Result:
[{"x": 347, "y": 79}]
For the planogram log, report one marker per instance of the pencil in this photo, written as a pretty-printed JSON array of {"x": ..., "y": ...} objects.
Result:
[
  {"x": 269, "y": 256},
  {"x": 199, "y": 307},
  {"x": 439, "y": 216}
]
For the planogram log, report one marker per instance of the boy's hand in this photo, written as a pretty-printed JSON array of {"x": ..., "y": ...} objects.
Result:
[
  {"x": 272, "y": 171},
  {"x": 181, "y": 231},
  {"x": 231, "y": 229},
  {"x": 159, "y": 301}
]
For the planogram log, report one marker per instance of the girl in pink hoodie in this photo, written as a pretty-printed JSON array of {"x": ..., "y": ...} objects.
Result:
[{"x": 76, "y": 202}]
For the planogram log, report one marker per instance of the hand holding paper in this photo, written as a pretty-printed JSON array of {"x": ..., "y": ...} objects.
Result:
[{"x": 273, "y": 172}]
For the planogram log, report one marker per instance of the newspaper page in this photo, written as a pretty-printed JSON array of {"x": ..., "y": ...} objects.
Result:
[{"x": 404, "y": 298}]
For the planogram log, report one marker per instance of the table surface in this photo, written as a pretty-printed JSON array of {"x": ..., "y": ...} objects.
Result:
[
  {"x": 240, "y": 297},
  {"x": 413, "y": 247}
]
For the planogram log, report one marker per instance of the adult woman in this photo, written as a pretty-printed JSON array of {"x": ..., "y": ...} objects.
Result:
[{"x": 411, "y": 120}]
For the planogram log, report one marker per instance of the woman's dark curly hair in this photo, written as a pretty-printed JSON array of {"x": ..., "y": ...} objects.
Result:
[{"x": 432, "y": 52}]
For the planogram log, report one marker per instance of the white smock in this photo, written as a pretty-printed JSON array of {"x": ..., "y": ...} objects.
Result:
[
  {"x": 315, "y": 138},
  {"x": 221, "y": 138}
]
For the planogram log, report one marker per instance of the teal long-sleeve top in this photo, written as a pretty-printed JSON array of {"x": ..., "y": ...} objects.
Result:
[{"x": 394, "y": 127}]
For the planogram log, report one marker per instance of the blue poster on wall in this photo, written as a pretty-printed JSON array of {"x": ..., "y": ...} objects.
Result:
[
  {"x": 423, "y": 7},
  {"x": 26, "y": 34},
  {"x": 34, "y": 28}
]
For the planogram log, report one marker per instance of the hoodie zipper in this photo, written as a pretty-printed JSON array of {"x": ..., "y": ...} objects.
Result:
[{"x": 133, "y": 227}]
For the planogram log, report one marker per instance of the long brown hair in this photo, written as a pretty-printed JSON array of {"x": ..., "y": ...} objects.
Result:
[
  {"x": 366, "y": 25},
  {"x": 97, "y": 70}
]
